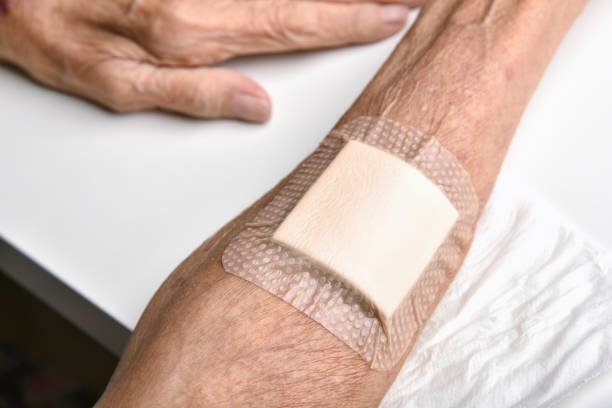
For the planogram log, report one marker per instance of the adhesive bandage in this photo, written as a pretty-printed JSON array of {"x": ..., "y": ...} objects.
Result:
[
  {"x": 373, "y": 220},
  {"x": 364, "y": 237}
]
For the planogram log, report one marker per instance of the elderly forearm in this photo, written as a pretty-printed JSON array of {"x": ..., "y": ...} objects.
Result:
[{"x": 463, "y": 73}]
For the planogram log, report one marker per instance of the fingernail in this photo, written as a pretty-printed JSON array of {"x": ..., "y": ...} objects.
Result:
[
  {"x": 393, "y": 17},
  {"x": 251, "y": 108}
]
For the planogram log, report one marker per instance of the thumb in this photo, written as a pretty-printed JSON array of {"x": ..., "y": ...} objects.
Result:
[{"x": 199, "y": 92}]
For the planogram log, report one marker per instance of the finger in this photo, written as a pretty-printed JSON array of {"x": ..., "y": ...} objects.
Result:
[
  {"x": 198, "y": 92},
  {"x": 300, "y": 25},
  {"x": 407, "y": 3}
]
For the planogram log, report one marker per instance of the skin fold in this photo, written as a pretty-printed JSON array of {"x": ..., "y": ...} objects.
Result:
[{"x": 131, "y": 55}]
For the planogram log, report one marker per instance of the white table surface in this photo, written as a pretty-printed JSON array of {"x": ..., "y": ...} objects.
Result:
[{"x": 110, "y": 204}]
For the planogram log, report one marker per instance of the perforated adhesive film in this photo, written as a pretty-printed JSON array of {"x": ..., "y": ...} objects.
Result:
[{"x": 319, "y": 294}]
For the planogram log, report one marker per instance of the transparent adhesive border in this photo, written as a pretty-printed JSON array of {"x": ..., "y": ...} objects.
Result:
[{"x": 314, "y": 290}]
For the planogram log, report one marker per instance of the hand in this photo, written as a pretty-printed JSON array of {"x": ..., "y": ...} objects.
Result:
[{"x": 131, "y": 55}]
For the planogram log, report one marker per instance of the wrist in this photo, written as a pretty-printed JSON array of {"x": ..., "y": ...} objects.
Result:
[
  {"x": 441, "y": 72},
  {"x": 442, "y": 81},
  {"x": 464, "y": 74}
]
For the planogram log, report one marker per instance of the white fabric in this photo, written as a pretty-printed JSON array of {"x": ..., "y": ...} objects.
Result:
[{"x": 527, "y": 320}]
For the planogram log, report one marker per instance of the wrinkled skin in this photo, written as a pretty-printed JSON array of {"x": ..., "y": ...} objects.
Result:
[
  {"x": 139, "y": 54},
  {"x": 463, "y": 73}
]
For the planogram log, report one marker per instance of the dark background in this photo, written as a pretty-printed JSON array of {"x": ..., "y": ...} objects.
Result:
[{"x": 45, "y": 361}]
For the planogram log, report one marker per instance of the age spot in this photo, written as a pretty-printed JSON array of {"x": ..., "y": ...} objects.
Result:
[
  {"x": 178, "y": 283},
  {"x": 509, "y": 72},
  {"x": 5, "y": 6}
]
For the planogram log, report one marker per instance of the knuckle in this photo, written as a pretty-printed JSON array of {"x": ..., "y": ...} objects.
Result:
[
  {"x": 277, "y": 25},
  {"x": 207, "y": 100},
  {"x": 157, "y": 32},
  {"x": 172, "y": 37},
  {"x": 309, "y": 22},
  {"x": 117, "y": 95},
  {"x": 206, "y": 54},
  {"x": 295, "y": 24},
  {"x": 357, "y": 22},
  {"x": 157, "y": 24},
  {"x": 301, "y": 25},
  {"x": 118, "y": 103}
]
